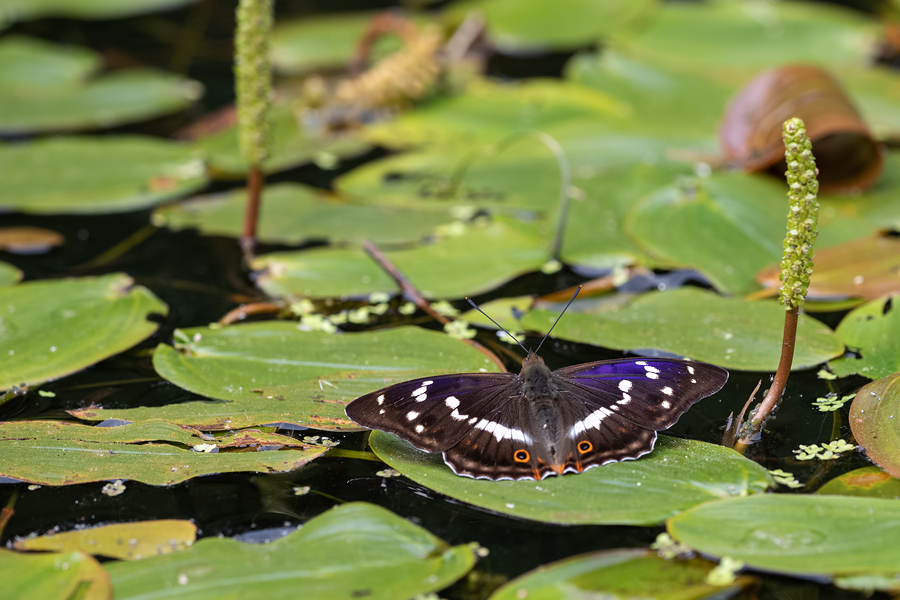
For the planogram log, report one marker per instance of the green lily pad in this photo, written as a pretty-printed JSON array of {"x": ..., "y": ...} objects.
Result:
[
  {"x": 123, "y": 541},
  {"x": 872, "y": 91},
  {"x": 734, "y": 333},
  {"x": 728, "y": 227},
  {"x": 734, "y": 39},
  {"x": 676, "y": 475},
  {"x": 533, "y": 25},
  {"x": 488, "y": 112},
  {"x": 292, "y": 146},
  {"x": 153, "y": 452},
  {"x": 353, "y": 551},
  {"x": 874, "y": 422},
  {"x": 96, "y": 175},
  {"x": 63, "y": 92},
  {"x": 9, "y": 274},
  {"x": 797, "y": 534},
  {"x": 52, "y": 328},
  {"x": 872, "y": 330},
  {"x": 53, "y": 576},
  {"x": 273, "y": 372},
  {"x": 619, "y": 575},
  {"x": 479, "y": 259},
  {"x": 325, "y": 41},
  {"x": 871, "y": 482},
  {"x": 22, "y": 10},
  {"x": 292, "y": 213}
]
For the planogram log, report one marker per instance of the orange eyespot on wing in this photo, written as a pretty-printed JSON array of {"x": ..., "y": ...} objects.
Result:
[
  {"x": 585, "y": 446},
  {"x": 521, "y": 456}
]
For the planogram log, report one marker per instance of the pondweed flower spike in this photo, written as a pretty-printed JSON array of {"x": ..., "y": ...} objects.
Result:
[
  {"x": 253, "y": 90},
  {"x": 796, "y": 264}
]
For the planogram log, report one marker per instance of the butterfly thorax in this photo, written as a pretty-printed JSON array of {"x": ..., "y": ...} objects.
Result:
[{"x": 541, "y": 393}]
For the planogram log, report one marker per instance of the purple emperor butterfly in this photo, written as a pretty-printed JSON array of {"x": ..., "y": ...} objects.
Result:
[{"x": 540, "y": 422}]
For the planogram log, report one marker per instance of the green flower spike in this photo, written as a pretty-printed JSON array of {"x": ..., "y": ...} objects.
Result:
[
  {"x": 253, "y": 78},
  {"x": 803, "y": 217}
]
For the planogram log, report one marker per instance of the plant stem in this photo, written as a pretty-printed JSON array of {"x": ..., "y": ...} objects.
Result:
[{"x": 255, "y": 181}]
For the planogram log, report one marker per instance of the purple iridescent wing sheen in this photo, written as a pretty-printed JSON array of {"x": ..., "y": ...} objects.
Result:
[
  {"x": 648, "y": 392},
  {"x": 434, "y": 413}
]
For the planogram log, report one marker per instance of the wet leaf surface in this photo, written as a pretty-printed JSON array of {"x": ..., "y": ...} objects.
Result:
[
  {"x": 123, "y": 541},
  {"x": 355, "y": 550},
  {"x": 274, "y": 373},
  {"x": 619, "y": 575},
  {"x": 734, "y": 333},
  {"x": 472, "y": 260},
  {"x": 872, "y": 330},
  {"x": 875, "y": 421},
  {"x": 9, "y": 274},
  {"x": 66, "y": 92},
  {"x": 87, "y": 9},
  {"x": 67, "y": 175},
  {"x": 727, "y": 227},
  {"x": 153, "y": 452},
  {"x": 870, "y": 482},
  {"x": 676, "y": 475},
  {"x": 797, "y": 534},
  {"x": 53, "y": 576},
  {"x": 52, "y": 328},
  {"x": 293, "y": 214}
]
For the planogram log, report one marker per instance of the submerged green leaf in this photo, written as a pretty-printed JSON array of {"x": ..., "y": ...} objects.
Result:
[
  {"x": 273, "y": 372},
  {"x": 676, "y": 475},
  {"x": 96, "y": 175},
  {"x": 875, "y": 422},
  {"x": 356, "y": 550},
  {"x": 153, "y": 452},
  {"x": 52, "y": 328},
  {"x": 731, "y": 332},
  {"x": 124, "y": 541},
  {"x": 53, "y": 576},
  {"x": 797, "y": 534},
  {"x": 873, "y": 330}
]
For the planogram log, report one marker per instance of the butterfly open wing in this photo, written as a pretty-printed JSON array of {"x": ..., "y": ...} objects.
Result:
[{"x": 434, "y": 413}]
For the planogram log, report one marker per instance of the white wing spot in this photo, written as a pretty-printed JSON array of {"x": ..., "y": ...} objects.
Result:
[
  {"x": 452, "y": 402},
  {"x": 625, "y": 385},
  {"x": 667, "y": 391},
  {"x": 666, "y": 404},
  {"x": 652, "y": 375},
  {"x": 411, "y": 415},
  {"x": 420, "y": 428},
  {"x": 650, "y": 369},
  {"x": 690, "y": 370},
  {"x": 455, "y": 414},
  {"x": 381, "y": 412},
  {"x": 640, "y": 362},
  {"x": 380, "y": 399},
  {"x": 625, "y": 399},
  {"x": 421, "y": 397},
  {"x": 693, "y": 381},
  {"x": 429, "y": 382},
  {"x": 472, "y": 420},
  {"x": 420, "y": 390}
]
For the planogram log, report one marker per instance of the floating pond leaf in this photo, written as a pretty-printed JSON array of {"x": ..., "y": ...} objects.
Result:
[
  {"x": 64, "y": 92},
  {"x": 797, "y": 534},
  {"x": 96, "y": 175},
  {"x": 326, "y": 41},
  {"x": 292, "y": 213},
  {"x": 356, "y": 550},
  {"x": 53, "y": 576},
  {"x": 123, "y": 541},
  {"x": 153, "y": 452},
  {"x": 864, "y": 268},
  {"x": 676, "y": 475},
  {"x": 873, "y": 330},
  {"x": 734, "y": 333},
  {"x": 292, "y": 145},
  {"x": 875, "y": 422},
  {"x": 728, "y": 226},
  {"x": 477, "y": 259},
  {"x": 9, "y": 274},
  {"x": 871, "y": 482},
  {"x": 273, "y": 372},
  {"x": 29, "y": 240},
  {"x": 529, "y": 26},
  {"x": 737, "y": 39},
  {"x": 619, "y": 575},
  {"x": 86, "y": 9},
  {"x": 52, "y": 328}
]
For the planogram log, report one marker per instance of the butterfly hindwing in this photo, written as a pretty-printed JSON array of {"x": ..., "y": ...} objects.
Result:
[{"x": 433, "y": 413}]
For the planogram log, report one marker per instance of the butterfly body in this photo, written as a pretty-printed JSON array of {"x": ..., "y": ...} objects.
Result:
[{"x": 540, "y": 422}]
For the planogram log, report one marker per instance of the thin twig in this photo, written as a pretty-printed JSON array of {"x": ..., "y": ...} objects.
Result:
[
  {"x": 245, "y": 310},
  {"x": 413, "y": 294},
  {"x": 255, "y": 181},
  {"x": 735, "y": 426},
  {"x": 7, "y": 512}
]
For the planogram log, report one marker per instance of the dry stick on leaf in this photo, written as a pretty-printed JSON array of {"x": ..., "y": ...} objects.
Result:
[
  {"x": 7, "y": 511},
  {"x": 253, "y": 89},
  {"x": 796, "y": 266},
  {"x": 413, "y": 294}
]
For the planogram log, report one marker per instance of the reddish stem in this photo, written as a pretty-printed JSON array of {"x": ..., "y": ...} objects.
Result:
[{"x": 255, "y": 181}]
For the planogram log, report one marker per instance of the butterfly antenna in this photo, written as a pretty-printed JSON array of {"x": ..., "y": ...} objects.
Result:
[
  {"x": 475, "y": 306},
  {"x": 575, "y": 295}
]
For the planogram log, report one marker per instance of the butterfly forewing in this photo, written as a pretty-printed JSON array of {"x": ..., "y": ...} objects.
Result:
[{"x": 434, "y": 413}]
